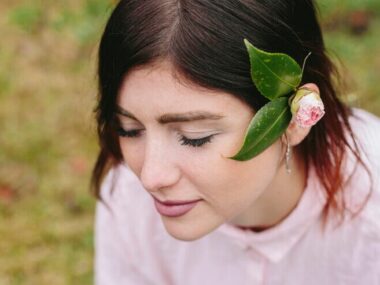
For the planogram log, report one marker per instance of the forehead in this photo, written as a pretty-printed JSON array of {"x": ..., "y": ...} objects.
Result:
[{"x": 154, "y": 89}]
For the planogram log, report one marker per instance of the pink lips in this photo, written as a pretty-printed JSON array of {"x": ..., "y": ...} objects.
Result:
[{"x": 174, "y": 208}]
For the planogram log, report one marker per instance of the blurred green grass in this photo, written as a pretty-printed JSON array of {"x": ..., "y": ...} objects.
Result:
[{"x": 47, "y": 140}]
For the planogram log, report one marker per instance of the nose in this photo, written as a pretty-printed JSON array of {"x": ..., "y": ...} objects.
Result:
[{"x": 159, "y": 169}]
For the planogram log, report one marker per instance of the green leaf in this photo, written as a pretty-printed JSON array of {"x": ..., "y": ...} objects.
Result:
[
  {"x": 274, "y": 74},
  {"x": 267, "y": 125}
]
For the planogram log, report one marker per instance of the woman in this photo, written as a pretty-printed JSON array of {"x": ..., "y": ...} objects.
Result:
[{"x": 176, "y": 98}]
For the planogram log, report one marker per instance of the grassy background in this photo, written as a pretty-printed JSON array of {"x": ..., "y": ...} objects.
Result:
[{"x": 47, "y": 141}]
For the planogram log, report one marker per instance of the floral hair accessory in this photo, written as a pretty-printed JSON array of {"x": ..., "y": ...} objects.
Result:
[
  {"x": 307, "y": 108},
  {"x": 277, "y": 77}
]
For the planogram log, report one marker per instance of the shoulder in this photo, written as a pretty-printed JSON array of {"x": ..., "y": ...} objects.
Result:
[
  {"x": 366, "y": 127},
  {"x": 366, "y": 130},
  {"x": 365, "y": 186}
]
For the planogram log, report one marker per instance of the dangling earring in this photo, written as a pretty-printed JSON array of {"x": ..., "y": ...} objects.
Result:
[{"x": 288, "y": 155}]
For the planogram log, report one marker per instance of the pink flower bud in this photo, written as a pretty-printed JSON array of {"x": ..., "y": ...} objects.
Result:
[{"x": 307, "y": 108}]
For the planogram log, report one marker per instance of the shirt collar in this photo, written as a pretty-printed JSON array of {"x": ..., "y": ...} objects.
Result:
[{"x": 275, "y": 242}]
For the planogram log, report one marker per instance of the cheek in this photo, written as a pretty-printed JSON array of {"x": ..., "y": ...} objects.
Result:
[
  {"x": 215, "y": 168},
  {"x": 133, "y": 155},
  {"x": 229, "y": 185}
]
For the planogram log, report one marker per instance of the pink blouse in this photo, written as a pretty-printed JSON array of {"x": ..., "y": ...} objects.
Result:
[{"x": 132, "y": 246}]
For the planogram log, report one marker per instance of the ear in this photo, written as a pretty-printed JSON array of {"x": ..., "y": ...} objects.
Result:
[{"x": 295, "y": 133}]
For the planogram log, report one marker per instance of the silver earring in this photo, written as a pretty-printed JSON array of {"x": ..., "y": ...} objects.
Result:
[{"x": 288, "y": 156}]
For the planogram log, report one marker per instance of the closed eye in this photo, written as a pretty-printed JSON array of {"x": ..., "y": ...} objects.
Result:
[
  {"x": 181, "y": 138},
  {"x": 128, "y": 134},
  {"x": 195, "y": 142}
]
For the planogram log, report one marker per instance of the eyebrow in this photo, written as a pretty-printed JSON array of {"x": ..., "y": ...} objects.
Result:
[{"x": 176, "y": 117}]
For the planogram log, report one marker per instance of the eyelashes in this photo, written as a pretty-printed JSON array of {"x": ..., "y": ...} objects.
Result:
[
  {"x": 195, "y": 142},
  {"x": 182, "y": 139},
  {"x": 129, "y": 134}
]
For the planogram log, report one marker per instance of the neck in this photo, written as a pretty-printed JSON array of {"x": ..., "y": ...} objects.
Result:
[{"x": 278, "y": 200}]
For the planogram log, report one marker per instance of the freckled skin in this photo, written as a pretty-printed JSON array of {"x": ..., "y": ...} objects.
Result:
[{"x": 253, "y": 193}]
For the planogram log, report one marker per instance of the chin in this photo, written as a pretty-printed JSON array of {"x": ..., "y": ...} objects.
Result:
[{"x": 186, "y": 231}]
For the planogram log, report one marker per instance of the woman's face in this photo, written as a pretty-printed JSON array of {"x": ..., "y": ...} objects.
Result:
[{"x": 160, "y": 151}]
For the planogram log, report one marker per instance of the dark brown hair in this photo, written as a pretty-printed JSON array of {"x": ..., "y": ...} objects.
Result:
[{"x": 203, "y": 40}]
